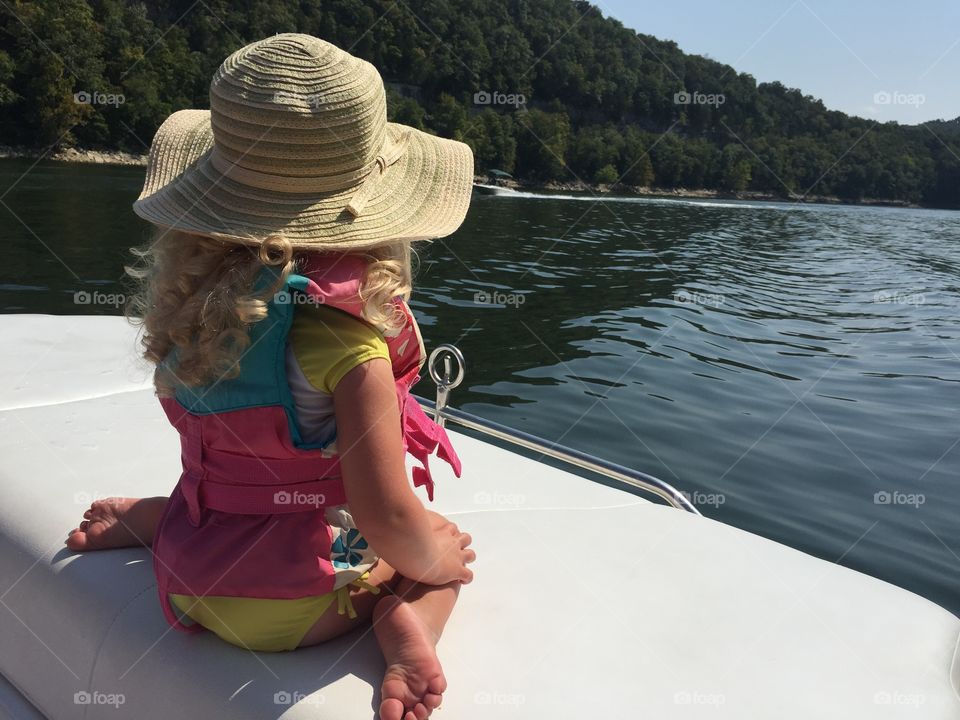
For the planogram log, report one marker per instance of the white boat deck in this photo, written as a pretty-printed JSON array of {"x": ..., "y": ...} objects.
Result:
[{"x": 588, "y": 602}]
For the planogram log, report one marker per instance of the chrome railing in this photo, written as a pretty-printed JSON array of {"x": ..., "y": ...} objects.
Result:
[{"x": 441, "y": 412}]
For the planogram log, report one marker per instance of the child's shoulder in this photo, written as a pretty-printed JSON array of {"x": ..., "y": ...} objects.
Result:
[
  {"x": 328, "y": 343},
  {"x": 319, "y": 321}
]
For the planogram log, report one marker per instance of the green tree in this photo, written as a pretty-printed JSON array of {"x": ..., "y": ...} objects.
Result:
[
  {"x": 406, "y": 111},
  {"x": 448, "y": 117},
  {"x": 542, "y": 143},
  {"x": 607, "y": 175},
  {"x": 667, "y": 156},
  {"x": 735, "y": 168},
  {"x": 635, "y": 158},
  {"x": 491, "y": 136},
  {"x": 593, "y": 148}
]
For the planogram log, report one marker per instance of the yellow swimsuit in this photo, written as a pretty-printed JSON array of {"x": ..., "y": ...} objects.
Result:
[
  {"x": 264, "y": 624},
  {"x": 327, "y": 344}
]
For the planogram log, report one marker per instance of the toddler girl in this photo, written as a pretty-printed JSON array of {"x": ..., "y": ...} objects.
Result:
[{"x": 274, "y": 306}]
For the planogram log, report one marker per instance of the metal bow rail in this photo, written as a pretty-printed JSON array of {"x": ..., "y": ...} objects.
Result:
[{"x": 441, "y": 412}]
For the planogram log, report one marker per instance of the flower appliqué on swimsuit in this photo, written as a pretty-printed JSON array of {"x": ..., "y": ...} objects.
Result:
[{"x": 346, "y": 548}]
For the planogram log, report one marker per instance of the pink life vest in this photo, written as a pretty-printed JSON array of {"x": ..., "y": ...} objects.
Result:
[{"x": 247, "y": 517}]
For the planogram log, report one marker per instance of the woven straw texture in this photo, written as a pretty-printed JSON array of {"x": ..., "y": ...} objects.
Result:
[{"x": 297, "y": 142}]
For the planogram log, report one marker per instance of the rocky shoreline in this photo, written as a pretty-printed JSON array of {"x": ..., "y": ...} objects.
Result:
[
  {"x": 117, "y": 157},
  {"x": 94, "y": 157}
]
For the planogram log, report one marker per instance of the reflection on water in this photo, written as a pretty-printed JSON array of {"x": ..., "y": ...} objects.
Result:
[{"x": 799, "y": 361}]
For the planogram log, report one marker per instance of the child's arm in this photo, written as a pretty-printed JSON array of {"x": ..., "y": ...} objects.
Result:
[{"x": 381, "y": 500}]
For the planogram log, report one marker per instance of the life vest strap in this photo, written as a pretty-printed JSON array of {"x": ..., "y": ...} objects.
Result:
[
  {"x": 271, "y": 499},
  {"x": 259, "y": 470},
  {"x": 422, "y": 436}
]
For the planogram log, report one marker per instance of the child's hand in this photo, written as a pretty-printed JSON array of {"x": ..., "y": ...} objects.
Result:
[
  {"x": 453, "y": 552},
  {"x": 437, "y": 520}
]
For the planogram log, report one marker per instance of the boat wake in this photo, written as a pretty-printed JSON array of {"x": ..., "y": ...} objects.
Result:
[{"x": 498, "y": 191}]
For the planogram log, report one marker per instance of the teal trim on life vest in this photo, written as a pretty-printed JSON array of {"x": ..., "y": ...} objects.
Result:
[{"x": 262, "y": 381}]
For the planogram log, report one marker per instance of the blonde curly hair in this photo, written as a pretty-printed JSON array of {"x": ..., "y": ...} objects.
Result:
[{"x": 196, "y": 295}]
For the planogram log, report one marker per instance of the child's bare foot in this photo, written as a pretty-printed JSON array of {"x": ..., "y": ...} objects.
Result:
[
  {"x": 414, "y": 681},
  {"x": 116, "y": 522}
]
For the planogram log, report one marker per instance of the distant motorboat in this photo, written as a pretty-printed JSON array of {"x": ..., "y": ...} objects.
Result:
[{"x": 482, "y": 189}]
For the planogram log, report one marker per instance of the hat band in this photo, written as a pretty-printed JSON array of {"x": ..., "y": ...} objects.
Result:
[{"x": 364, "y": 180}]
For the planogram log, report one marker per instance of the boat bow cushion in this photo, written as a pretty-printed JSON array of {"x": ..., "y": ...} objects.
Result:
[{"x": 588, "y": 602}]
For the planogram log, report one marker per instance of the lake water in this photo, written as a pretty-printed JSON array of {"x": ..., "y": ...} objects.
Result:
[{"x": 794, "y": 368}]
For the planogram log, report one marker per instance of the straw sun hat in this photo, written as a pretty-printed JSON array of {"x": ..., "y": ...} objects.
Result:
[{"x": 296, "y": 141}]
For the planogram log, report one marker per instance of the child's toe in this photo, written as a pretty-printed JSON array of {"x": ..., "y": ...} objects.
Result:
[
  {"x": 437, "y": 684},
  {"x": 391, "y": 709}
]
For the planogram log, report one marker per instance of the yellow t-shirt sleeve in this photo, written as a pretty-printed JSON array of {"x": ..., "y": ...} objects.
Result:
[{"x": 328, "y": 343}]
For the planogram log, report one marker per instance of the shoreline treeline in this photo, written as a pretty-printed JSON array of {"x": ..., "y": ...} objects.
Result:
[{"x": 548, "y": 90}]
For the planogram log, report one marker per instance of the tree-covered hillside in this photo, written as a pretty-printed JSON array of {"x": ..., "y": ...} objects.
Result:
[{"x": 602, "y": 103}]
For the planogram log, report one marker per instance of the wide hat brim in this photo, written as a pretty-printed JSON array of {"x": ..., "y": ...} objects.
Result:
[{"x": 422, "y": 195}]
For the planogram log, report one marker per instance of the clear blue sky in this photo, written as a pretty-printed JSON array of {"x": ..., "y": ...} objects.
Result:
[{"x": 844, "y": 52}]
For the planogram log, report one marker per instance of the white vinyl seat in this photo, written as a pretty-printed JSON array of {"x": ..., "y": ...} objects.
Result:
[{"x": 699, "y": 620}]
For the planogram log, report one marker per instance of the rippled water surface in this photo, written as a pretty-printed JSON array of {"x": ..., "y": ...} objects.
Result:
[{"x": 794, "y": 368}]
